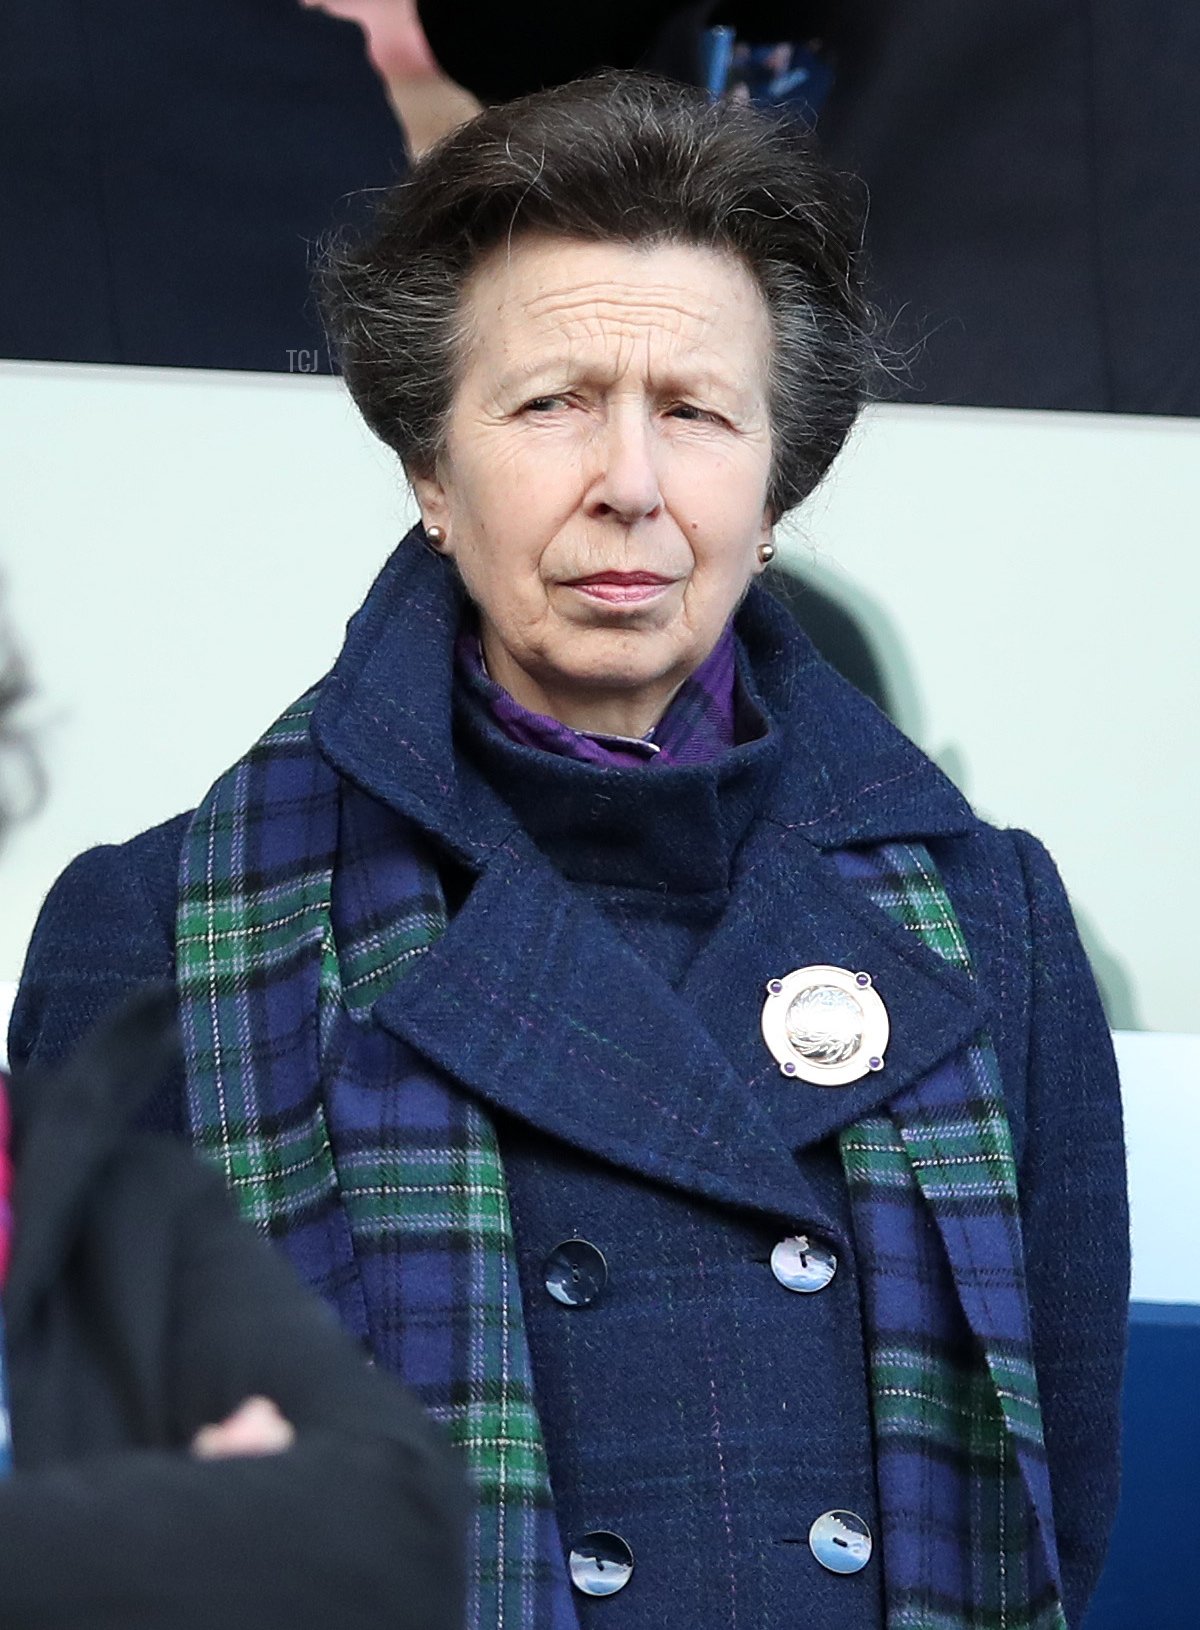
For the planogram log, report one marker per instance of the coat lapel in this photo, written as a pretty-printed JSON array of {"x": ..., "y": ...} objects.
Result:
[
  {"x": 535, "y": 1004},
  {"x": 791, "y": 909}
]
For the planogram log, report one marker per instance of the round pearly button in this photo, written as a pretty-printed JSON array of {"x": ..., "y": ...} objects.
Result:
[
  {"x": 600, "y": 1564},
  {"x": 803, "y": 1264},
  {"x": 576, "y": 1272},
  {"x": 840, "y": 1541}
]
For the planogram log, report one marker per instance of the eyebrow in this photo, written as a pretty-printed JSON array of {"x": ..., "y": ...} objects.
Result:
[{"x": 702, "y": 381}]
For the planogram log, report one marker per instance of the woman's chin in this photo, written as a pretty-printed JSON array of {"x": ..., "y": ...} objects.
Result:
[{"x": 611, "y": 668}]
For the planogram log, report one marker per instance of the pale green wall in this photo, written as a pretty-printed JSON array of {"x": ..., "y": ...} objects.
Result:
[
  {"x": 1032, "y": 582},
  {"x": 182, "y": 550}
]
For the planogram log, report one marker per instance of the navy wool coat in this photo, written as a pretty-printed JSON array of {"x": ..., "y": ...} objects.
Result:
[{"x": 698, "y": 1408}]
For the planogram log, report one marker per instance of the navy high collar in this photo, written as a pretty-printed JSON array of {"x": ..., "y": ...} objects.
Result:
[
  {"x": 385, "y": 720},
  {"x": 649, "y": 826}
]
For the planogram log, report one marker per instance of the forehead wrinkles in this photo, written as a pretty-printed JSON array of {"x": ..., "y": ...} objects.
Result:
[
  {"x": 596, "y": 307},
  {"x": 615, "y": 327},
  {"x": 526, "y": 316}
]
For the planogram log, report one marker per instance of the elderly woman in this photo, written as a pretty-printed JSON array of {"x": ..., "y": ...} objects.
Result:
[{"x": 641, "y": 1044}]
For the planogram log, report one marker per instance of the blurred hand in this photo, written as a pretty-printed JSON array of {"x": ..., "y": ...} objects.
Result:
[
  {"x": 427, "y": 103},
  {"x": 396, "y": 42},
  {"x": 255, "y": 1428}
]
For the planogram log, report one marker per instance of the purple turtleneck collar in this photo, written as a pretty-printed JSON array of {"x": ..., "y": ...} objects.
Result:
[{"x": 698, "y": 725}]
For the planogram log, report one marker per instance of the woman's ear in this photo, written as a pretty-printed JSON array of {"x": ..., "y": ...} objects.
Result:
[{"x": 431, "y": 500}]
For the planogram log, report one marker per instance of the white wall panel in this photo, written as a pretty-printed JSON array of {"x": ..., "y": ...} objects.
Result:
[
  {"x": 1032, "y": 581},
  {"x": 181, "y": 552},
  {"x": 182, "y": 549},
  {"x": 1160, "y": 1089}
]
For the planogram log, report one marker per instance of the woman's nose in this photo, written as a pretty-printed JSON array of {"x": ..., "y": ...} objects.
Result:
[{"x": 627, "y": 482}]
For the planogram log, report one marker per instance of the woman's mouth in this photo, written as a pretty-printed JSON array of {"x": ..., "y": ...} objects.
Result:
[{"x": 621, "y": 588}]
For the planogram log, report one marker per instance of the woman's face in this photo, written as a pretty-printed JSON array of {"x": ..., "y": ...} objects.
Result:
[{"x": 603, "y": 486}]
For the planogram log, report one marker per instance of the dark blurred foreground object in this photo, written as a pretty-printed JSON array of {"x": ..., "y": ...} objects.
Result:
[
  {"x": 1033, "y": 169},
  {"x": 139, "y": 1309},
  {"x": 166, "y": 169}
]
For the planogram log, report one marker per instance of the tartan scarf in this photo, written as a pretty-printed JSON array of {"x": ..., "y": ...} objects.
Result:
[{"x": 300, "y": 904}]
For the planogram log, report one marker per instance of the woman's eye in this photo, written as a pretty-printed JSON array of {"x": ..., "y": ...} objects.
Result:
[
  {"x": 689, "y": 412},
  {"x": 543, "y": 404}
]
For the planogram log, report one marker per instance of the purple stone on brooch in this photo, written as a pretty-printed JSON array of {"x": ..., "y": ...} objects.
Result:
[{"x": 825, "y": 1025}]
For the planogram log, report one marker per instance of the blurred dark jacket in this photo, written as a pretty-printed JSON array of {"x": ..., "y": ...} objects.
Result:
[
  {"x": 166, "y": 169},
  {"x": 1033, "y": 168},
  {"x": 140, "y": 1308}
]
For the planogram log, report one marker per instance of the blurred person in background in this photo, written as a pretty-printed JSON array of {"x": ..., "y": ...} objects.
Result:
[
  {"x": 1033, "y": 236},
  {"x": 167, "y": 171},
  {"x": 426, "y": 101},
  {"x": 1033, "y": 168},
  {"x": 187, "y": 1441},
  {"x": 636, "y": 1040}
]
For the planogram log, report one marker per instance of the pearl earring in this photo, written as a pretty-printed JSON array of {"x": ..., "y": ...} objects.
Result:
[
  {"x": 436, "y": 536},
  {"x": 766, "y": 553}
]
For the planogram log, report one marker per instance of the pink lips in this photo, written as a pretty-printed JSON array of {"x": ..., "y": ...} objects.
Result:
[{"x": 621, "y": 588}]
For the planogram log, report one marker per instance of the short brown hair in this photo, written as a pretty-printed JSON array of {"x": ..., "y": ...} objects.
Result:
[{"x": 620, "y": 158}]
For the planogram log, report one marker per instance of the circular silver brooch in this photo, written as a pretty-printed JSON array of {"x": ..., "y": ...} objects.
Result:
[{"x": 825, "y": 1025}]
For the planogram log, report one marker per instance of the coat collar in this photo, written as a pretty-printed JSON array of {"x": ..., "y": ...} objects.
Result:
[
  {"x": 537, "y": 1005},
  {"x": 620, "y": 827},
  {"x": 384, "y": 720}
]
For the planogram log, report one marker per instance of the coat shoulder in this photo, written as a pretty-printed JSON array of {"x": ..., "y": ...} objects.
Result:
[{"x": 107, "y": 928}]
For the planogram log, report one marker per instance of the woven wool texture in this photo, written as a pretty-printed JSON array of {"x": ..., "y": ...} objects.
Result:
[
  {"x": 958, "y": 1426},
  {"x": 297, "y": 910}
]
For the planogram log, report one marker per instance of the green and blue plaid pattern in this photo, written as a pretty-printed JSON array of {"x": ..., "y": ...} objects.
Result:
[
  {"x": 301, "y": 902},
  {"x": 295, "y": 913},
  {"x": 962, "y": 1475}
]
